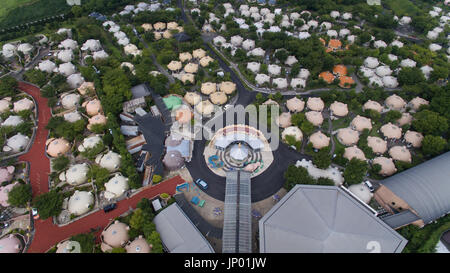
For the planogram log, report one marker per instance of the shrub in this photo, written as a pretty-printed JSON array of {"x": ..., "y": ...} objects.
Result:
[
  {"x": 60, "y": 163},
  {"x": 20, "y": 195}
]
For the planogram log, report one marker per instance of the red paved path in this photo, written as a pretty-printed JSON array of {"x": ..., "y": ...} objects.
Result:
[{"x": 46, "y": 233}]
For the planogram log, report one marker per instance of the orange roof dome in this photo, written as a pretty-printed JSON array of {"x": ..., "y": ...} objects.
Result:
[
  {"x": 333, "y": 43},
  {"x": 327, "y": 76},
  {"x": 340, "y": 70},
  {"x": 346, "y": 81}
]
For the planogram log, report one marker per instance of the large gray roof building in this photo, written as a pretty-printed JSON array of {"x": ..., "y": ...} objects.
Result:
[
  {"x": 315, "y": 219},
  {"x": 178, "y": 233},
  {"x": 423, "y": 189}
]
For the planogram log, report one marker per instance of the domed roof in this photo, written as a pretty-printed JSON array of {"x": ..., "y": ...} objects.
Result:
[
  {"x": 371, "y": 62},
  {"x": 218, "y": 98},
  {"x": 298, "y": 83},
  {"x": 12, "y": 121},
  {"x": 103, "y": 55},
  {"x": 65, "y": 55},
  {"x": 360, "y": 123},
  {"x": 405, "y": 119},
  {"x": 174, "y": 65},
  {"x": 173, "y": 160},
  {"x": 372, "y": 105},
  {"x": 295, "y": 104},
  {"x": 188, "y": 78},
  {"x": 75, "y": 80},
  {"x": 183, "y": 115},
  {"x": 77, "y": 174},
  {"x": 10, "y": 244},
  {"x": 376, "y": 81},
  {"x": 315, "y": 117},
  {"x": 362, "y": 192},
  {"x": 284, "y": 120},
  {"x": 400, "y": 153},
  {"x": 116, "y": 186},
  {"x": 23, "y": 104},
  {"x": 138, "y": 245},
  {"x": 72, "y": 116},
  {"x": 319, "y": 140},
  {"x": 85, "y": 86},
  {"x": 407, "y": 63},
  {"x": 354, "y": 152},
  {"x": 4, "y": 191},
  {"x": 79, "y": 202},
  {"x": 199, "y": 53},
  {"x": 68, "y": 247},
  {"x": 192, "y": 98},
  {"x": 93, "y": 107},
  {"x": 89, "y": 142},
  {"x": 391, "y": 131},
  {"x": 227, "y": 87},
  {"x": 70, "y": 100},
  {"x": 6, "y": 174},
  {"x": 185, "y": 56},
  {"x": 16, "y": 143},
  {"x": 191, "y": 68},
  {"x": 254, "y": 67},
  {"x": 205, "y": 107},
  {"x": 109, "y": 161},
  {"x": 68, "y": 44},
  {"x": 57, "y": 147},
  {"x": 280, "y": 83},
  {"x": 292, "y": 131},
  {"x": 67, "y": 69},
  {"x": 327, "y": 76},
  {"x": 387, "y": 165},
  {"x": 315, "y": 104},
  {"x": 414, "y": 138},
  {"x": 339, "y": 109},
  {"x": 97, "y": 119},
  {"x": 417, "y": 102},
  {"x": 131, "y": 49},
  {"x": 262, "y": 78},
  {"x": 47, "y": 66},
  {"x": 4, "y": 105},
  {"x": 383, "y": 70},
  {"x": 208, "y": 88},
  {"x": 390, "y": 82},
  {"x": 92, "y": 45},
  {"x": 116, "y": 235},
  {"x": 347, "y": 136},
  {"x": 377, "y": 144}
]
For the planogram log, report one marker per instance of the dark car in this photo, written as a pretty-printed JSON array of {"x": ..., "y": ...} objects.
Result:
[{"x": 109, "y": 207}]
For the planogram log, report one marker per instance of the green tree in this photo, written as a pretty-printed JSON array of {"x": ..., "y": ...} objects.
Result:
[
  {"x": 355, "y": 171},
  {"x": 410, "y": 76},
  {"x": 433, "y": 145},
  {"x": 49, "y": 204},
  {"x": 322, "y": 159},
  {"x": 20, "y": 195},
  {"x": 392, "y": 116},
  {"x": 138, "y": 219},
  {"x": 155, "y": 241},
  {"x": 60, "y": 163},
  {"x": 8, "y": 86},
  {"x": 118, "y": 250},
  {"x": 430, "y": 123}
]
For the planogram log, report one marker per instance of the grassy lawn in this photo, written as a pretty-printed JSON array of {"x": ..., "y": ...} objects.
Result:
[
  {"x": 402, "y": 7},
  {"x": 8, "y": 5}
]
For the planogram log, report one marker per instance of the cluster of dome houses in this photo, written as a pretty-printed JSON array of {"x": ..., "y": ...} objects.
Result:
[
  {"x": 186, "y": 73},
  {"x": 115, "y": 235},
  {"x": 18, "y": 142},
  {"x": 349, "y": 136}
]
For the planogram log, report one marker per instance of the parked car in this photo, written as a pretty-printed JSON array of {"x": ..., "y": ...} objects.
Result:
[
  {"x": 4, "y": 224},
  {"x": 109, "y": 207},
  {"x": 34, "y": 213},
  {"x": 369, "y": 185},
  {"x": 202, "y": 184}
]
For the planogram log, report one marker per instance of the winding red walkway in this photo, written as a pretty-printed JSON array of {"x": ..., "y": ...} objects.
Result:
[{"x": 46, "y": 233}]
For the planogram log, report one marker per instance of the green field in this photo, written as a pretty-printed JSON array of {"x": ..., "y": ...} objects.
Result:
[
  {"x": 16, "y": 12},
  {"x": 402, "y": 7},
  {"x": 8, "y": 5}
]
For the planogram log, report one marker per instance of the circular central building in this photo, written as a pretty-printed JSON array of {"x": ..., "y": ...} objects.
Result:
[{"x": 238, "y": 147}]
